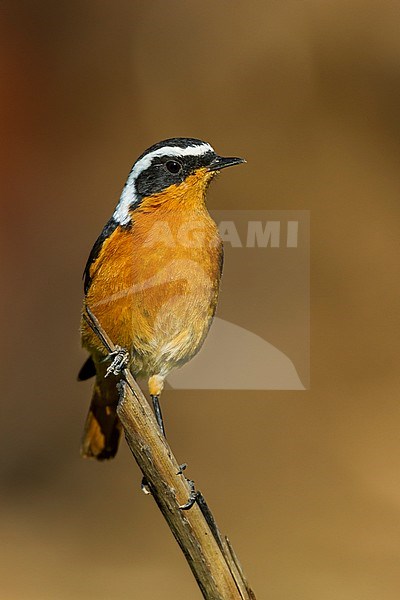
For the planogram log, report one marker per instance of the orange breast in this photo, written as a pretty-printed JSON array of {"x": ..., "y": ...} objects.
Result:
[{"x": 155, "y": 286}]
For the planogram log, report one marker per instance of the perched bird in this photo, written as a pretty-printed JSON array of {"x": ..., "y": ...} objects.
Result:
[{"x": 151, "y": 279}]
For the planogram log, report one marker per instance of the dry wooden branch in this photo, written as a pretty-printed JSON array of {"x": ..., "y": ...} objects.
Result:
[{"x": 210, "y": 556}]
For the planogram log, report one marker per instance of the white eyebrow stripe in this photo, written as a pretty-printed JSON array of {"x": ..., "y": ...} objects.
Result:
[{"x": 128, "y": 196}]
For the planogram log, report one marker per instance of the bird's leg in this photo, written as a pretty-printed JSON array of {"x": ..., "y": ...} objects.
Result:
[
  {"x": 120, "y": 360},
  {"x": 158, "y": 413},
  {"x": 156, "y": 384}
]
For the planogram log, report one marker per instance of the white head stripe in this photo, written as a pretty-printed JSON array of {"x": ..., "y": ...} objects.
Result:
[{"x": 128, "y": 196}]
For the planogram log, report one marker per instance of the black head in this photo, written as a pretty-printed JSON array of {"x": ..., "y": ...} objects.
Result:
[{"x": 168, "y": 163}]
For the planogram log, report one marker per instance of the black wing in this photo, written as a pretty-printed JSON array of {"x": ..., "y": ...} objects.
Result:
[{"x": 108, "y": 229}]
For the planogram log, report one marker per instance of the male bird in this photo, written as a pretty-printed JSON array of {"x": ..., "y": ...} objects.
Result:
[{"x": 152, "y": 278}]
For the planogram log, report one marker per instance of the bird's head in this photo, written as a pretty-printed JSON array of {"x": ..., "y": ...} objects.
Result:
[{"x": 177, "y": 169}]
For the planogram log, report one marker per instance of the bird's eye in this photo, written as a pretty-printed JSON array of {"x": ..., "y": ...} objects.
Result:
[{"x": 173, "y": 166}]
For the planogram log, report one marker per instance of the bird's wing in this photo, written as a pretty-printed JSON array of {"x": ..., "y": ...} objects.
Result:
[{"x": 108, "y": 229}]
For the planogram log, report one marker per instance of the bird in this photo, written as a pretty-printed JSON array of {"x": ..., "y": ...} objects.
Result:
[{"x": 152, "y": 280}]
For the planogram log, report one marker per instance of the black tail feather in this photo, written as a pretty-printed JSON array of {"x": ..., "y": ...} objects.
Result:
[{"x": 88, "y": 370}]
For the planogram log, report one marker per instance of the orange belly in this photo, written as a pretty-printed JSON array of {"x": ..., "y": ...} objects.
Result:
[{"x": 155, "y": 287}]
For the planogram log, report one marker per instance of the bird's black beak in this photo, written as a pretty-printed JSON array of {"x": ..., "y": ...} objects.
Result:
[{"x": 221, "y": 162}]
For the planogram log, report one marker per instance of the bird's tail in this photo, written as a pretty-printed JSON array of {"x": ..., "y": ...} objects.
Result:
[{"x": 102, "y": 428}]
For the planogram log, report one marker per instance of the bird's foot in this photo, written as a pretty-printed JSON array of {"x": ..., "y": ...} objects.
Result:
[
  {"x": 145, "y": 486},
  {"x": 192, "y": 494},
  {"x": 120, "y": 360},
  {"x": 182, "y": 467}
]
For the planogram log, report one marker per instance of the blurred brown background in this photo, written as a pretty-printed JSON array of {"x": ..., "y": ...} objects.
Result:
[{"x": 307, "y": 485}]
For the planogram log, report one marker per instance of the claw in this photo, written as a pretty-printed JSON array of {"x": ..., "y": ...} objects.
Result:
[
  {"x": 192, "y": 496},
  {"x": 145, "y": 486},
  {"x": 120, "y": 360}
]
